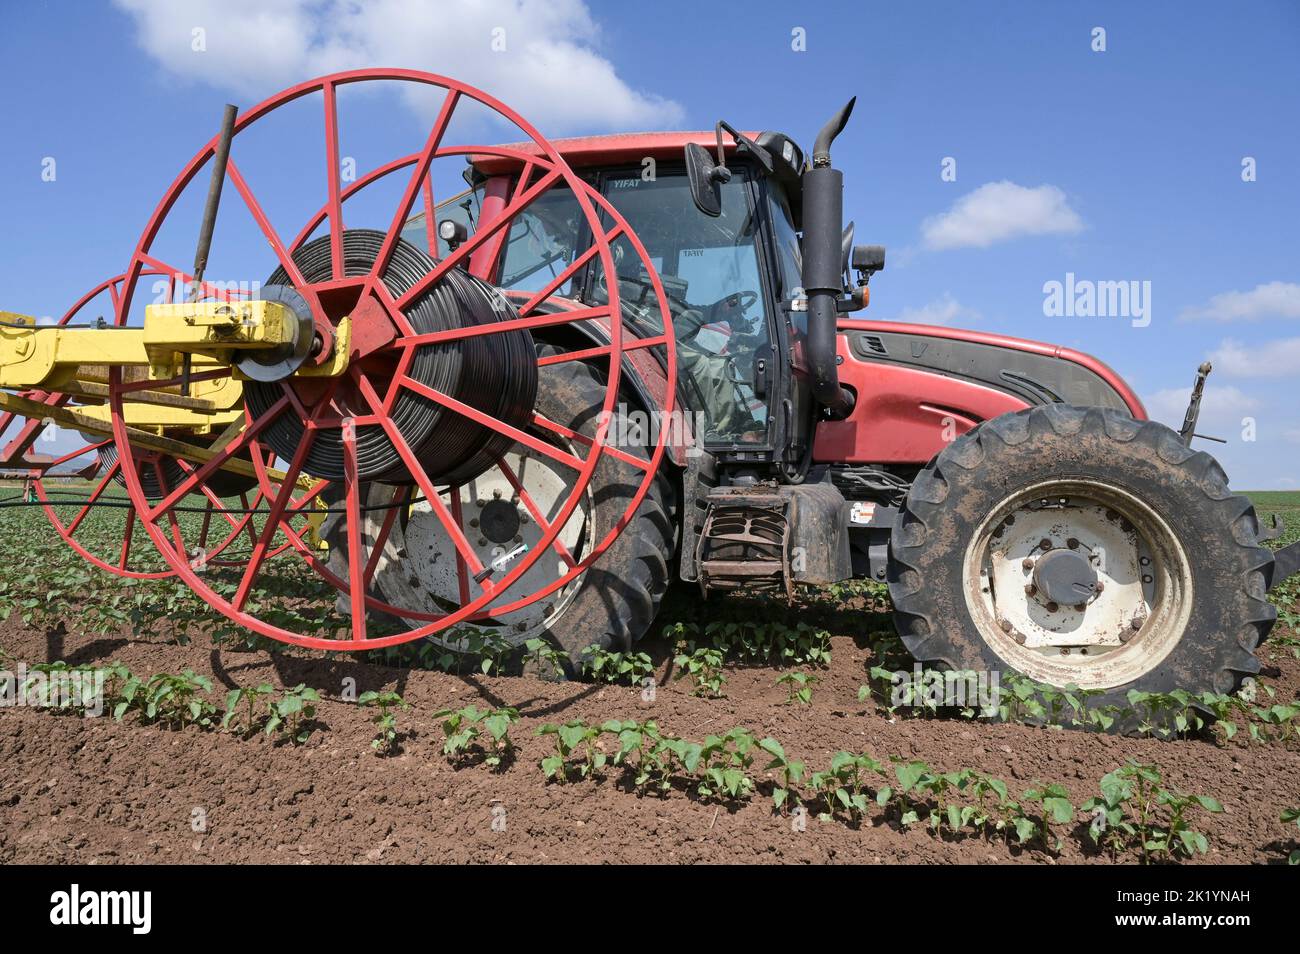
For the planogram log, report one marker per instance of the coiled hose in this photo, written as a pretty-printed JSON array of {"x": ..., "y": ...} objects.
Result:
[
  {"x": 493, "y": 373},
  {"x": 223, "y": 483}
]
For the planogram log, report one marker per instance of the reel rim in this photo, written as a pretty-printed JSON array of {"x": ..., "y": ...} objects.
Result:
[{"x": 554, "y": 170}]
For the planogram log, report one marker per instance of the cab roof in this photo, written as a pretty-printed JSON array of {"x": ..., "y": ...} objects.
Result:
[{"x": 611, "y": 150}]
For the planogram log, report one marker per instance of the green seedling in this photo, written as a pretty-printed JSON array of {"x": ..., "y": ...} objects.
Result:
[
  {"x": 576, "y": 749},
  {"x": 656, "y": 755},
  {"x": 1056, "y": 809},
  {"x": 462, "y": 733},
  {"x": 628, "y": 668},
  {"x": 173, "y": 701},
  {"x": 704, "y": 665},
  {"x": 1136, "y": 809},
  {"x": 545, "y": 657},
  {"x": 293, "y": 713},
  {"x": 250, "y": 698},
  {"x": 725, "y": 761},
  {"x": 799, "y": 687},
  {"x": 843, "y": 787},
  {"x": 1292, "y": 815},
  {"x": 385, "y": 741},
  {"x": 789, "y": 773}
]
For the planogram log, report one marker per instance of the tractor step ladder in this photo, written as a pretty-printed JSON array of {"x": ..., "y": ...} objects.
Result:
[{"x": 745, "y": 543}]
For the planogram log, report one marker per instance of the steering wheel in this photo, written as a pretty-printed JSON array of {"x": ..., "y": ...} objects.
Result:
[{"x": 739, "y": 302}]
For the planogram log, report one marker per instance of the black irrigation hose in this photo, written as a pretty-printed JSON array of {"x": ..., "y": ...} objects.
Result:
[
  {"x": 223, "y": 483},
  {"x": 172, "y": 471},
  {"x": 493, "y": 373}
]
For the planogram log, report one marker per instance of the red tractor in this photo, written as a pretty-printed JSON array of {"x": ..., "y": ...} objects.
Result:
[{"x": 617, "y": 360}]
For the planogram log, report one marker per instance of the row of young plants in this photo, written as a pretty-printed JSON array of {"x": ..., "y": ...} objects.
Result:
[
  {"x": 171, "y": 700},
  {"x": 1135, "y": 811},
  {"x": 1160, "y": 714},
  {"x": 184, "y": 700}
]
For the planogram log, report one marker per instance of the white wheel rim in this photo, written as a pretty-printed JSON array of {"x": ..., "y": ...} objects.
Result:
[
  {"x": 418, "y": 569},
  {"x": 1110, "y": 637}
]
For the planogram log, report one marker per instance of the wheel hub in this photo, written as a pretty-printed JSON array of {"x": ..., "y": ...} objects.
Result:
[
  {"x": 500, "y": 520},
  {"x": 1064, "y": 576}
]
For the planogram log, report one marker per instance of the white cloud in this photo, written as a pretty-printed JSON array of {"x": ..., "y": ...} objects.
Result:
[
  {"x": 998, "y": 212},
  {"x": 1271, "y": 300},
  {"x": 1270, "y": 359},
  {"x": 1222, "y": 407},
  {"x": 941, "y": 311},
  {"x": 550, "y": 70}
]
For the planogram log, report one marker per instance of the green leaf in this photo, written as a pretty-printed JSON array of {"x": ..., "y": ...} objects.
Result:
[
  {"x": 773, "y": 748},
  {"x": 1060, "y": 808},
  {"x": 1025, "y": 830}
]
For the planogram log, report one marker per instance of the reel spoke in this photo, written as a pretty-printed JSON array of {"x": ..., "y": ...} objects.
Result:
[
  {"x": 478, "y": 417},
  {"x": 418, "y": 174},
  {"x": 333, "y": 174}
]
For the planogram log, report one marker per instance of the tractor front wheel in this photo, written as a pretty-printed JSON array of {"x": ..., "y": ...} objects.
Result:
[{"x": 1078, "y": 546}]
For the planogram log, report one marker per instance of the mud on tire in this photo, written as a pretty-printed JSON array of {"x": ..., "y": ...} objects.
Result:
[{"x": 1216, "y": 530}]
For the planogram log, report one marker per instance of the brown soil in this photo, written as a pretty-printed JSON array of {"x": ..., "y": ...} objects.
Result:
[{"x": 93, "y": 790}]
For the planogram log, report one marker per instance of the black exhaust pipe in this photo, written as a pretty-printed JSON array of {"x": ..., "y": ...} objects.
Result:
[{"x": 823, "y": 264}]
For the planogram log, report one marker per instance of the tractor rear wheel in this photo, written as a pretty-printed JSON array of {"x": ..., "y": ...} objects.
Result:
[
  {"x": 612, "y": 605},
  {"x": 1078, "y": 546}
]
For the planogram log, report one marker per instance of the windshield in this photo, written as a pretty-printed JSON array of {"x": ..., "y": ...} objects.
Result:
[
  {"x": 709, "y": 270},
  {"x": 708, "y": 267}
]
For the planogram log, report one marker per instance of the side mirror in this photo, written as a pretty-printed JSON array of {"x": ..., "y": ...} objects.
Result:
[
  {"x": 705, "y": 179},
  {"x": 867, "y": 260}
]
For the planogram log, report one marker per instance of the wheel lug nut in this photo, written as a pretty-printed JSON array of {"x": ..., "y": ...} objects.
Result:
[
  {"x": 1052, "y": 607},
  {"x": 1136, "y": 622},
  {"x": 496, "y": 495},
  {"x": 474, "y": 522},
  {"x": 1072, "y": 543},
  {"x": 1005, "y": 624},
  {"x": 1030, "y": 589},
  {"x": 1026, "y": 564},
  {"x": 1099, "y": 587},
  {"x": 1045, "y": 544},
  {"x": 479, "y": 502},
  {"x": 1081, "y": 607}
]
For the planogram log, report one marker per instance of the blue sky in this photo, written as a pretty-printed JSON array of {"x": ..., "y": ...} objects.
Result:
[{"x": 1122, "y": 165}]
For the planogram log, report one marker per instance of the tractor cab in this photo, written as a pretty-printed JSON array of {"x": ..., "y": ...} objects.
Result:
[{"x": 728, "y": 278}]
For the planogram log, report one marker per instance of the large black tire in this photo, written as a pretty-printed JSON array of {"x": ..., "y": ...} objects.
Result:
[
  {"x": 614, "y": 603},
  {"x": 620, "y": 594},
  {"x": 952, "y": 497}
]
